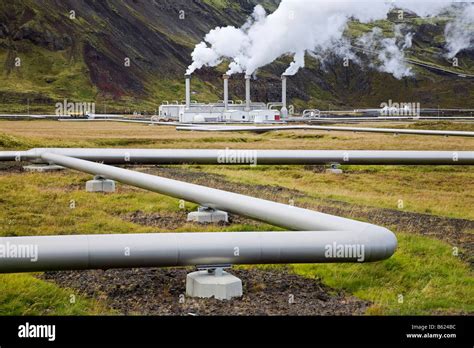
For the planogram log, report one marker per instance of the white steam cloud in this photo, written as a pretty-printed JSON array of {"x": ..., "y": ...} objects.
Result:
[
  {"x": 300, "y": 27},
  {"x": 460, "y": 33},
  {"x": 387, "y": 53}
]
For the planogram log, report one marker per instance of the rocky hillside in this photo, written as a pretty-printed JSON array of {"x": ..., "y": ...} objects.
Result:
[{"x": 131, "y": 54}]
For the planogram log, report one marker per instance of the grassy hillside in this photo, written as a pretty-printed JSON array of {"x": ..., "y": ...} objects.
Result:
[{"x": 83, "y": 58}]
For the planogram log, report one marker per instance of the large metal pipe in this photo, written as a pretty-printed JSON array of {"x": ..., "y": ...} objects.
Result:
[
  {"x": 226, "y": 91},
  {"x": 263, "y": 129},
  {"x": 247, "y": 92},
  {"x": 327, "y": 116},
  {"x": 271, "y": 212},
  {"x": 323, "y": 233},
  {"x": 380, "y": 119},
  {"x": 188, "y": 91},
  {"x": 147, "y": 122},
  {"x": 10, "y": 156},
  {"x": 190, "y": 249},
  {"x": 245, "y": 156},
  {"x": 284, "y": 109}
]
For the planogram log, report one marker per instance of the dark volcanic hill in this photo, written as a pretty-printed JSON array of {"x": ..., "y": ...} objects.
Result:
[{"x": 49, "y": 53}]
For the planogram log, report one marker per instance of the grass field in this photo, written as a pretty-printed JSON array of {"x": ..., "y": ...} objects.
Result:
[{"x": 425, "y": 276}]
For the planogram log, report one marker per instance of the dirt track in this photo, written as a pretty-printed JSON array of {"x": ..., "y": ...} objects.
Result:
[{"x": 158, "y": 292}]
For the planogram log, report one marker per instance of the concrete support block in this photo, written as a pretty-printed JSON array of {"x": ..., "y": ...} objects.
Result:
[
  {"x": 334, "y": 169},
  {"x": 100, "y": 185},
  {"x": 219, "y": 284},
  {"x": 42, "y": 168},
  {"x": 206, "y": 215}
]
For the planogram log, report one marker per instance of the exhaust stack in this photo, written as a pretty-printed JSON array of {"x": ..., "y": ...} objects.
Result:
[
  {"x": 226, "y": 92},
  {"x": 188, "y": 91},
  {"x": 284, "y": 109},
  {"x": 247, "y": 92}
]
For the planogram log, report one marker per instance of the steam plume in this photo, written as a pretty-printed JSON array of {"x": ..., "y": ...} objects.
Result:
[{"x": 299, "y": 27}]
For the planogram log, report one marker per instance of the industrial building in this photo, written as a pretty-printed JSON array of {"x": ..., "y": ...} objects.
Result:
[{"x": 225, "y": 110}]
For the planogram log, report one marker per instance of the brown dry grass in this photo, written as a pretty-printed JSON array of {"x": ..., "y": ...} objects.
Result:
[{"x": 53, "y": 133}]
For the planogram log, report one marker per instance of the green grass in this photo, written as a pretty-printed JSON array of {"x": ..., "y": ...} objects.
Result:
[
  {"x": 422, "y": 278},
  {"x": 221, "y": 4},
  {"x": 23, "y": 294},
  {"x": 38, "y": 204},
  {"x": 44, "y": 74},
  {"x": 41, "y": 205},
  {"x": 422, "y": 189},
  {"x": 23, "y": 143},
  {"x": 446, "y": 125},
  {"x": 423, "y": 270},
  {"x": 11, "y": 142}
]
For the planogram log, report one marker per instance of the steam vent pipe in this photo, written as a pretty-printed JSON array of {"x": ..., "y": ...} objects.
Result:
[
  {"x": 226, "y": 91},
  {"x": 284, "y": 109},
  {"x": 188, "y": 91},
  {"x": 247, "y": 92},
  {"x": 317, "y": 237}
]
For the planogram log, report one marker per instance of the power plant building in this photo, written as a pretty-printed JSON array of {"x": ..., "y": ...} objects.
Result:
[{"x": 225, "y": 110}]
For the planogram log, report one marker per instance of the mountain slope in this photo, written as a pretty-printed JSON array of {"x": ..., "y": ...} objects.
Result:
[{"x": 85, "y": 59}]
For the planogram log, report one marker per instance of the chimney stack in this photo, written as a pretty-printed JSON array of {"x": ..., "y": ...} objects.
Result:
[
  {"x": 188, "y": 91},
  {"x": 226, "y": 91},
  {"x": 284, "y": 109},
  {"x": 247, "y": 92}
]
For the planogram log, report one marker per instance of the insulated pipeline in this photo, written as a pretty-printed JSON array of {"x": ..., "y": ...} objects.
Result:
[
  {"x": 318, "y": 237},
  {"x": 60, "y": 253},
  {"x": 250, "y": 156},
  {"x": 263, "y": 129}
]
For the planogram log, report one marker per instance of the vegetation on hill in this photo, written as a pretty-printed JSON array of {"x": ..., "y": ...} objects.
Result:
[{"x": 49, "y": 54}]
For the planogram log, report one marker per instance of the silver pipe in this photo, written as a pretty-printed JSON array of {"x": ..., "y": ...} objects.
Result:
[
  {"x": 188, "y": 91},
  {"x": 321, "y": 231},
  {"x": 247, "y": 93},
  {"x": 263, "y": 129},
  {"x": 308, "y": 119},
  {"x": 284, "y": 109},
  {"x": 283, "y": 90},
  {"x": 275, "y": 213},
  {"x": 147, "y": 122},
  {"x": 246, "y": 156},
  {"x": 9, "y": 156},
  {"x": 190, "y": 249},
  {"x": 226, "y": 92}
]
